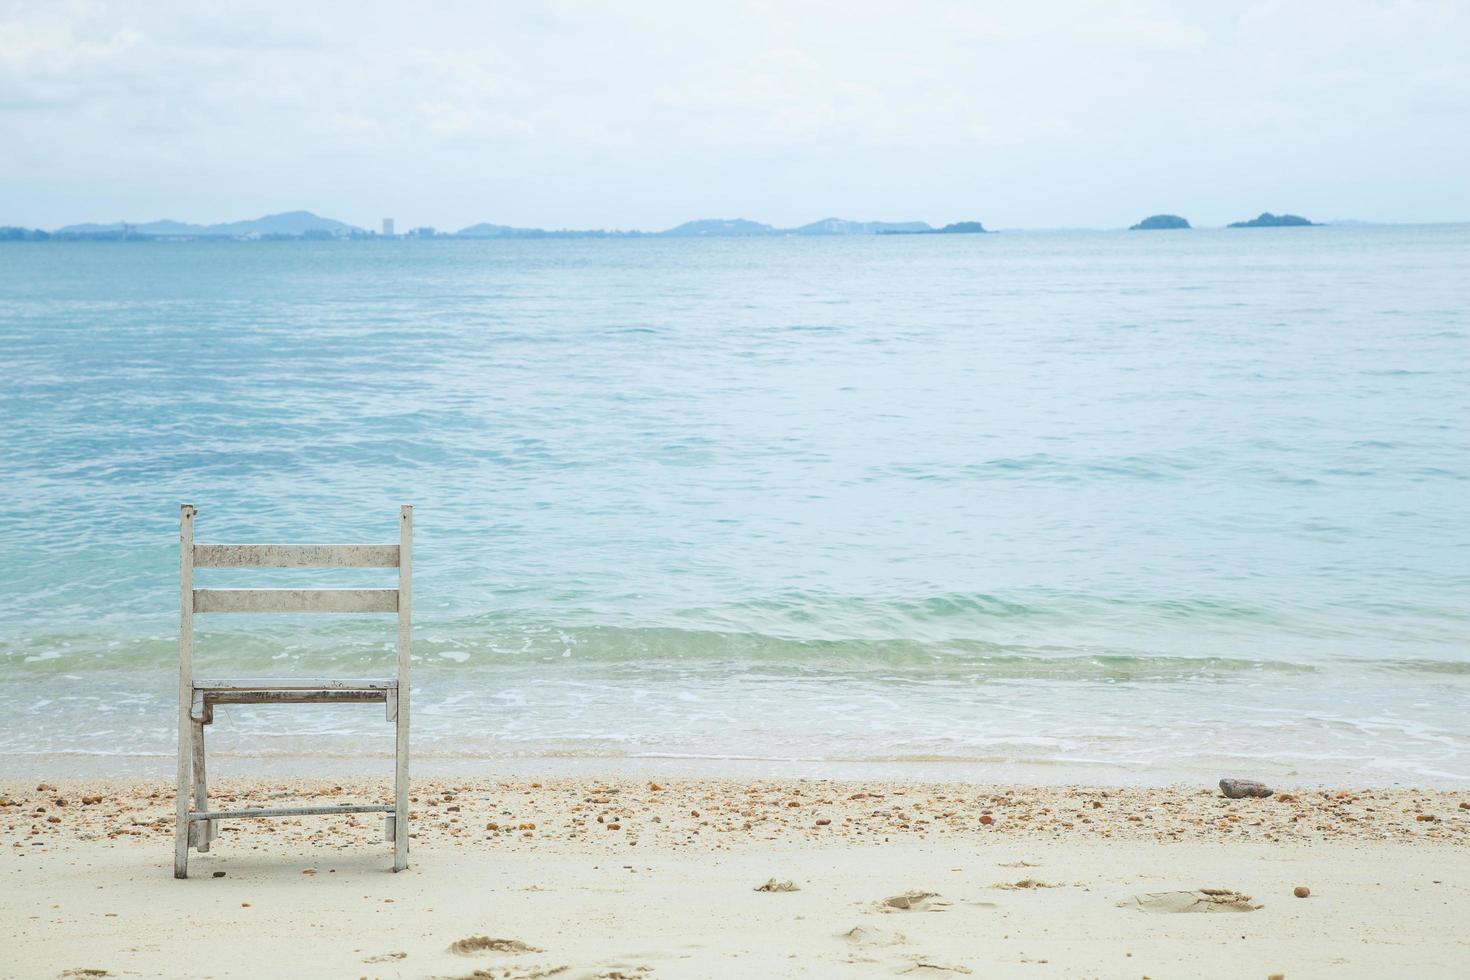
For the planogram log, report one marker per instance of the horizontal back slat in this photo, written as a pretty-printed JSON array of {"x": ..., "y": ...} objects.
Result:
[
  {"x": 295, "y": 600},
  {"x": 296, "y": 556}
]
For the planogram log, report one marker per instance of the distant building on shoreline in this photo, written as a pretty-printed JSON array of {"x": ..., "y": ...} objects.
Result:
[{"x": 387, "y": 227}]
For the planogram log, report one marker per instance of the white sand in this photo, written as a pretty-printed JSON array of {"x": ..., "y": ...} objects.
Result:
[{"x": 675, "y": 903}]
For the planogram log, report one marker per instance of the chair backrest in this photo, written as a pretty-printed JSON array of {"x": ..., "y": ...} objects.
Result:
[{"x": 192, "y": 600}]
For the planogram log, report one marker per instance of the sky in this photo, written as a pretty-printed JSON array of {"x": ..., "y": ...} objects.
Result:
[{"x": 644, "y": 114}]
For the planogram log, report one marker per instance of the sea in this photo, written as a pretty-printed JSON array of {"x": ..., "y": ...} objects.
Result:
[{"x": 1106, "y": 506}]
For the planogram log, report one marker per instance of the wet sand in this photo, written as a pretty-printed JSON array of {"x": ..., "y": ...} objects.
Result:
[{"x": 586, "y": 877}]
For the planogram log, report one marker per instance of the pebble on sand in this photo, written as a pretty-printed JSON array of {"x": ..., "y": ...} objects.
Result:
[
  {"x": 1240, "y": 788},
  {"x": 1301, "y": 891}
]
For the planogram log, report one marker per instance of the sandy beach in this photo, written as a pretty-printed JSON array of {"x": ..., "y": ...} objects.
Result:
[{"x": 742, "y": 878}]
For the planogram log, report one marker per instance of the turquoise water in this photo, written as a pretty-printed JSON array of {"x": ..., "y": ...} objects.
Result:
[{"x": 1145, "y": 503}]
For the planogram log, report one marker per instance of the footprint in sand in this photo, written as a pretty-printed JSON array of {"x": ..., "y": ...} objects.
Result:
[
  {"x": 869, "y": 936},
  {"x": 384, "y": 957},
  {"x": 533, "y": 973},
  {"x": 1200, "y": 900},
  {"x": 480, "y": 945},
  {"x": 1025, "y": 884},
  {"x": 772, "y": 885},
  {"x": 914, "y": 901},
  {"x": 926, "y": 966}
]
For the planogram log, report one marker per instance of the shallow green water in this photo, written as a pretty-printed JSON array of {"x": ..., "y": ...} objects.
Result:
[{"x": 1153, "y": 501}]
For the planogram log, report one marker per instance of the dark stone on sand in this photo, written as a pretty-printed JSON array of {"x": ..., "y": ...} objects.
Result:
[{"x": 1240, "y": 788}]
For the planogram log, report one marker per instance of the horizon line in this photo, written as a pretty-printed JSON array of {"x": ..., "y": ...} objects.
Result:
[{"x": 347, "y": 229}]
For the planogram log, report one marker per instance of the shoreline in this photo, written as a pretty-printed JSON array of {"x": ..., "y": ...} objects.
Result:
[
  {"x": 611, "y": 876},
  {"x": 1029, "y": 773},
  {"x": 846, "y": 808}
]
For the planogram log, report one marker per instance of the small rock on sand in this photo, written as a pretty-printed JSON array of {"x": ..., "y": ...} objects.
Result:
[
  {"x": 1240, "y": 788},
  {"x": 1301, "y": 891}
]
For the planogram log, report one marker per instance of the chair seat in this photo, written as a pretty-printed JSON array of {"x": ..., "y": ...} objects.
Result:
[
  {"x": 294, "y": 684},
  {"x": 291, "y": 690}
]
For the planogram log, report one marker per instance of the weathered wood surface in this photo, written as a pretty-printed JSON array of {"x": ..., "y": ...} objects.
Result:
[
  {"x": 197, "y": 699},
  {"x": 186, "y": 687},
  {"x": 200, "y": 711},
  {"x": 201, "y": 789},
  {"x": 294, "y": 684},
  {"x": 405, "y": 662},
  {"x": 295, "y": 600},
  {"x": 212, "y": 698},
  {"x": 296, "y": 556},
  {"x": 292, "y": 811}
]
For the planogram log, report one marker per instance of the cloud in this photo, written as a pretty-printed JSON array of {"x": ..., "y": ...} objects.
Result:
[{"x": 645, "y": 114}]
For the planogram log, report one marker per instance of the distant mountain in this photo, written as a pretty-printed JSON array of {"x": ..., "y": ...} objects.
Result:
[
  {"x": 719, "y": 228},
  {"x": 11, "y": 233},
  {"x": 288, "y": 223},
  {"x": 839, "y": 226},
  {"x": 1160, "y": 222},
  {"x": 707, "y": 228},
  {"x": 304, "y": 224},
  {"x": 1268, "y": 220},
  {"x": 958, "y": 228},
  {"x": 485, "y": 230}
]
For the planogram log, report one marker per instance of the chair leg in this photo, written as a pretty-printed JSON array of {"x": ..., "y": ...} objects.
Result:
[
  {"x": 181, "y": 830},
  {"x": 205, "y": 830},
  {"x": 400, "y": 785}
]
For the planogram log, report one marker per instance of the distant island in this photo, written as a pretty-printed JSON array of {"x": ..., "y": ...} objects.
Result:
[
  {"x": 1160, "y": 222},
  {"x": 958, "y": 228},
  {"x": 305, "y": 226},
  {"x": 1268, "y": 220}
]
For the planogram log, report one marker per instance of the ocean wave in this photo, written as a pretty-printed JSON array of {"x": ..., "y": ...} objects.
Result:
[{"x": 474, "y": 646}]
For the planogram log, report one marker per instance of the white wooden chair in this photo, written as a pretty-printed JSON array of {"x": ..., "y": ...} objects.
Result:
[{"x": 197, "y": 826}]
